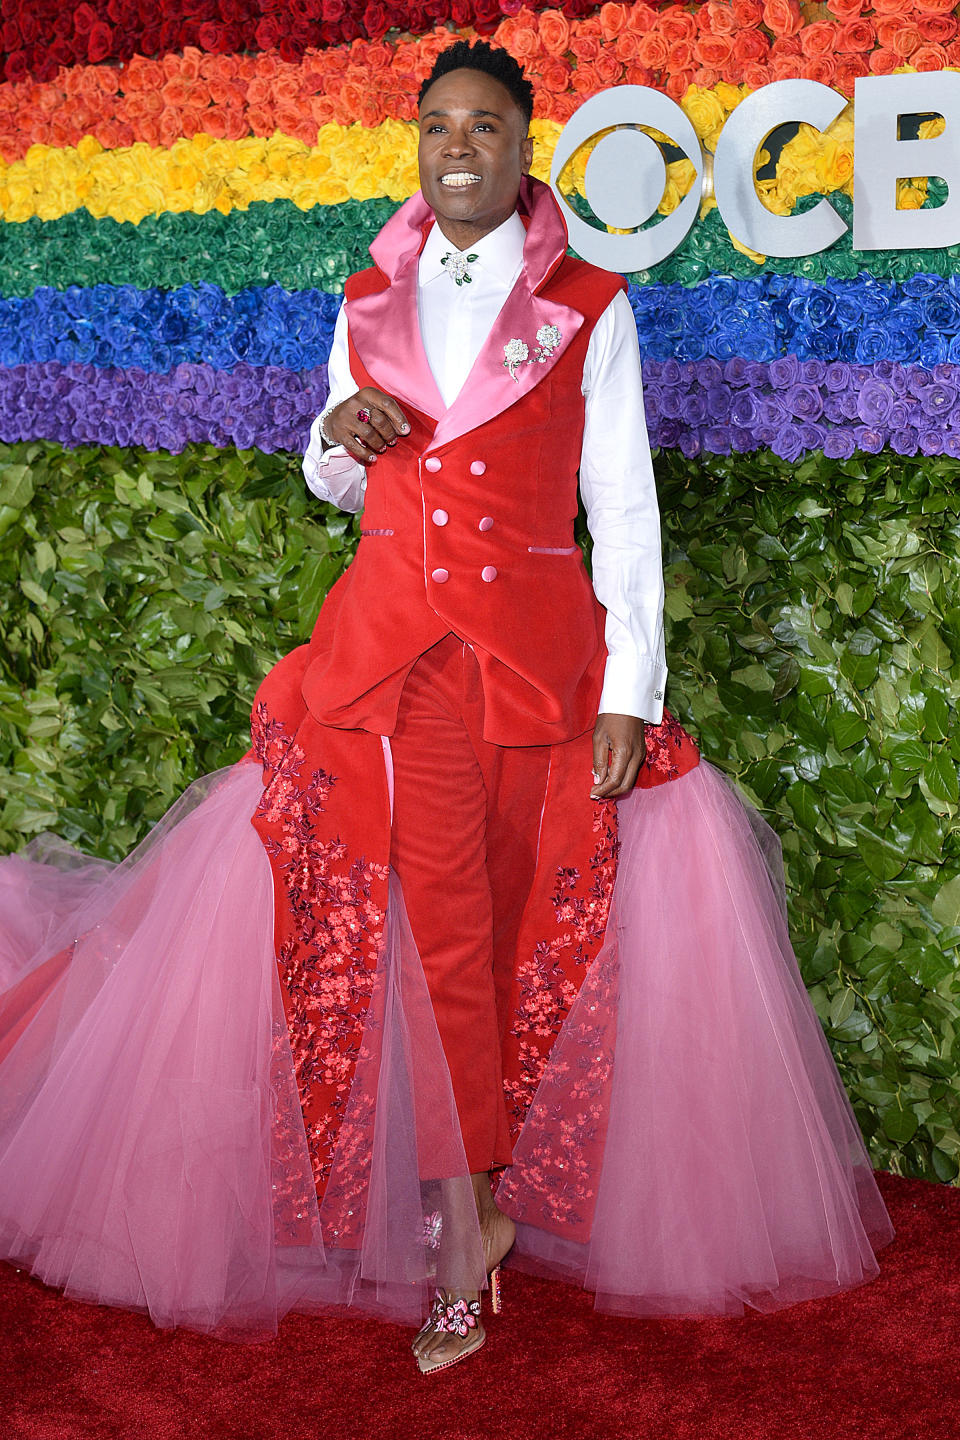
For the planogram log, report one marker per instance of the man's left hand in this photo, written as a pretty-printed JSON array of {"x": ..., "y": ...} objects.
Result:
[{"x": 619, "y": 747}]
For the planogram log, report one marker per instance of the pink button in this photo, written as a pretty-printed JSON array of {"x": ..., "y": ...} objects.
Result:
[
  {"x": 478, "y": 468},
  {"x": 486, "y": 523},
  {"x": 433, "y": 464},
  {"x": 439, "y": 517},
  {"x": 489, "y": 572},
  {"x": 442, "y": 576}
]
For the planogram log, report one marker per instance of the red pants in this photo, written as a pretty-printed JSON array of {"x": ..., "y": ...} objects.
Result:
[{"x": 464, "y": 844}]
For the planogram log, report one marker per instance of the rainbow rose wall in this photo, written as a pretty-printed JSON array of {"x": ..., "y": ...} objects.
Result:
[{"x": 182, "y": 198}]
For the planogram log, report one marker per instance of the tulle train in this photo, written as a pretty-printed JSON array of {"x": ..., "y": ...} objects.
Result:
[{"x": 690, "y": 1148}]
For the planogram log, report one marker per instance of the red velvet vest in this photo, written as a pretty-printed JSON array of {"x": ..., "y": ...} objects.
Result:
[{"x": 474, "y": 535}]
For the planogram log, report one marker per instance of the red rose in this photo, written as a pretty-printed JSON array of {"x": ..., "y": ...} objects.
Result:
[
  {"x": 16, "y": 67},
  {"x": 377, "y": 20},
  {"x": 212, "y": 37},
  {"x": 937, "y": 29},
  {"x": 855, "y": 36},
  {"x": 821, "y": 67},
  {"x": 84, "y": 19},
  {"x": 930, "y": 57},
  {"x": 713, "y": 51},
  {"x": 750, "y": 47},
  {"x": 818, "y": 39},
  {"x": 99, "y": 42},
  {"x": 783, "y": 17}
]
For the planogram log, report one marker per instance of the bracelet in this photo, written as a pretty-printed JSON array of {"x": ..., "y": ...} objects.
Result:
[{"x": 327, "y": 442}]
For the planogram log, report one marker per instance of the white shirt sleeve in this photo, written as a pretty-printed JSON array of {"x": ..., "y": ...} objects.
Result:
[
  {"x": 617, "y": 485},
  {"x": 333, "y": 475}
]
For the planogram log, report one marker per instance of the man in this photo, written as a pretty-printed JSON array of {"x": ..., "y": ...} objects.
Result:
[{"x": 470, "y": 741}]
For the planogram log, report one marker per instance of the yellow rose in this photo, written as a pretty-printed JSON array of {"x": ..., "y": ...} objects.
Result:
[
  {"x": 834, "y": 166},
  {"x": 705, "y": 113}
]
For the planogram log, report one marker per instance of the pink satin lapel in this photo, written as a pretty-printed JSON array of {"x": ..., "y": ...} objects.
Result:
[
  {"x": 489, "y": 389},
  {"x": 385, "y": 329}
]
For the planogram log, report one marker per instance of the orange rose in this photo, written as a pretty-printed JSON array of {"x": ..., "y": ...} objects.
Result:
[
  {"x": 379, "y": 55},
  {"x": 718, "y": 19},
  {"x": 783, "y": 17},
  {"x": 897, "y": 7},
  {"x": 259, "y": 91},
  {"x": 849, "y": 69},
  {"x": 612, "y": 19},
  {"x": 883, "y": 62},
  {"x": 929, "y": 57},
  {"x": 785, "y": 45},
  {"x": 585, "y": 82},
  {"x": 190, "y": 61},
  {"x": 821, "y": 67},
  {"x": 655, "y": 52},
  {"x": 627, "y": 46},
  {"x": 640, "y": 19},
  {"x": 554, "y": 31},
  {"x": 680, "y": 56},
  {"x": 676, "y": 24},
  {"x": 748, "y": 12},
  {"x": 750, "y": 47},
  {"x": 855, "y": 36},
  {"x": 678, "y": 84},
  {"x": 713, "y": 51},
  {"x": 524, "y": 46},
  {"x": 638, "y": 75},
  {"x": 556, "y": 75},
  {"x": 586, "y": 48},
  {"x": 608, "y": 68},
  {"x": 170, "y": 126},
  {"x": 756, "y": 75},
  {"x": 906, "y": 40},
  {"x": 785, "y": 67},
  {"x": 937, "y": 29},
  {"x": 818, "y": 39},
  {"x": 935, "y": 7},
  {"x": 705, "y": 77},
  {"x": 223, "y": 91},
  {"x": 953, "y": 53},
  {"x": 846, "y": 9},
  {"x": 321, "y": 110}
]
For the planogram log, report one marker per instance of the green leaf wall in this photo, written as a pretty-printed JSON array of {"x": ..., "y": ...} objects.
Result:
[{"x": 813, "y": 634}]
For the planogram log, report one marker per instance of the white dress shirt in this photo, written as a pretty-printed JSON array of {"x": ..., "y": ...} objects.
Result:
[{"x": 616, "y": 475}]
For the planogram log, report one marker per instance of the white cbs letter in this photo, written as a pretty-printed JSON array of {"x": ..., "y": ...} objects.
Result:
[
  {"x": 881, "y": 158},
  {"x": 626, "y": 177},
  {"x": 745, "y": 130}
]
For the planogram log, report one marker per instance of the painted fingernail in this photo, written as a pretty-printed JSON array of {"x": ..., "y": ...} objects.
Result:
[
  {"x": 596, "y": 777},
  {"x": 405, "y": 429}
]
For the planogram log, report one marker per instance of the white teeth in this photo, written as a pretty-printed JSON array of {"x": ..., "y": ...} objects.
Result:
[{"x": 459, "y": 180}]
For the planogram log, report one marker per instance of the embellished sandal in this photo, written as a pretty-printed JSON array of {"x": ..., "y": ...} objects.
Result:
[{"x": 458, "y": 1317}]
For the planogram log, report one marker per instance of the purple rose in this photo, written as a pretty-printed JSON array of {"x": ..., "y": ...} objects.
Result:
[
  {"x": 938, "y": 399},
  {"x": 743, "y": 411},
  {"x": 669, "y": 403},
  {"x": 689, "y": 443},
  {"x": 837, "y": 377},
  {"x": 718, "y": 402},
  {"x": 951, "y": 445},
  {"x": 773, "y": 410},
  {"x": 869, "y": 439},
  {"x": 813, "y": 372},
  {"x": 670, "y": 373},
  {"x": 812, "y": 436},
  {"x": 788, "y": 443},
  {"x": 838, "y": 444},
  {"x": 735, "y": 371},
  {"x": 783, "y": 372},
  {"x": 931, "y": 442},
  {"x": 694, "y": 407},
  {"x": 917, "y": 382},
  {"x": 875, "y": 402},
  {"x": 717, "y": 438},
  {"x": 804, "y": 402},
  {"x": 905, "y": 442}
]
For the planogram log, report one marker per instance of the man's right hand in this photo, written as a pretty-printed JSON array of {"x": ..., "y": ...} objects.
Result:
[{"x": 366, "y": 439}]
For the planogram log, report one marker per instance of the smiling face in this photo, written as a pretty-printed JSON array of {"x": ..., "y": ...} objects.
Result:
[{"x": 474, "y": 150}]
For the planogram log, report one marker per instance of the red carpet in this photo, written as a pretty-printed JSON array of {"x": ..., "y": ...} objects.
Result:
[{"x": 881, "y": 1363}]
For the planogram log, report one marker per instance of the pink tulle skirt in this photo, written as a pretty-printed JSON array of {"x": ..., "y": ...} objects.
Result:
[{"x": 690, "y": 1148}]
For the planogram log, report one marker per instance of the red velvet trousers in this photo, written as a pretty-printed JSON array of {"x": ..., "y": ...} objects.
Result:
[{"x": 464, "y": 844}]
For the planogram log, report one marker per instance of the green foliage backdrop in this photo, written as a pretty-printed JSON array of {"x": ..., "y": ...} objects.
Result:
[{"x": 814, "y": 644}]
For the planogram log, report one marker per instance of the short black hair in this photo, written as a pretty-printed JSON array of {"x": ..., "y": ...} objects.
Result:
[{"x": 500, "y": 64}]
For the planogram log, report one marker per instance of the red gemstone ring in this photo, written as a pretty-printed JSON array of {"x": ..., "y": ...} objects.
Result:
[{"x": 363, "y": 416}]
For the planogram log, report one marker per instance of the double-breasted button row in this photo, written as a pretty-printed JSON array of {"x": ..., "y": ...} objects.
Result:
[
  {"x": 433, "y": 463},
  {"x": 440, "y": 517}
]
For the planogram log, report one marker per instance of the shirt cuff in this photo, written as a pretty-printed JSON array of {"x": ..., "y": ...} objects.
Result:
[
  {"x": 335, "y": 476},
  {"x": 633, "y": 686}
]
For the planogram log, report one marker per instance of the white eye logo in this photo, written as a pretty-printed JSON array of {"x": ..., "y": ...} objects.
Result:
[{"x": 626, "y": 176}]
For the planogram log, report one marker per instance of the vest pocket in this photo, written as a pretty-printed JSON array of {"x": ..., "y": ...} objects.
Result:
[
  {"x": 552, "y": 550},
  {"x": 377, "y": 532}
]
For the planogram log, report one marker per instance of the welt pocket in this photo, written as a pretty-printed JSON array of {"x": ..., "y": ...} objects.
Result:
[
  {"x": 376, "y": 532},
  {"x": 552, "y": 550}
]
